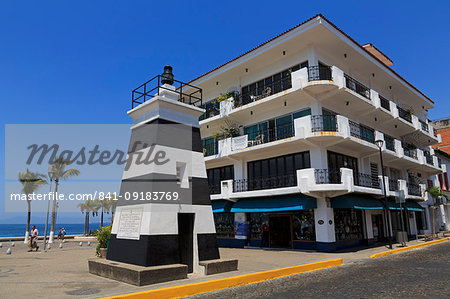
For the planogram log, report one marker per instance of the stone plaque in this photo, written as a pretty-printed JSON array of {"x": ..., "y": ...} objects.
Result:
[{"x": 130, "y": 224}]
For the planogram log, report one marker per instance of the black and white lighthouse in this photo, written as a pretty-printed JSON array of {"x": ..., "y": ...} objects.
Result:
[{"x": 164, "y": 213}]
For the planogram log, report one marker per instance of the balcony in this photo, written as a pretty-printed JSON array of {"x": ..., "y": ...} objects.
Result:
[
  {"x": 263, "y": 90},
  {"x": 319, "y": 72},
  {"x": 389, "y": 142},
  {"x": 405, "y": 115},
  {"x": 393, "y": 185},
  {"x": 263, "y": 183},
  {"x": 357, "y": 86},
  {"x": 210, "y": 149},
  {"x": 214, "y": 188},
  {"x": 184, "y": 92},
  {"x": 271, "y": 134},
  {"x": 423, "y": 126},
  {"x": 414, "y": 189},
  {"x": 325, "y": 176},
  {"x": 428, "y": 157},
  {"x": 362, "y": 132},
  {"x": 410, "y": 152},
  {"x": 384, "y": 103},
  {"x": 367, "y": 180},
  {"x": 324, "y": 123}
]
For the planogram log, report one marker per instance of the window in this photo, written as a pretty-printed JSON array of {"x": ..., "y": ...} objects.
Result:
[
  {"x": 302, "y": 113},
  {"x": 348, "y": 224},
  {"x": 284, "y": 165},
  {"x": 336, "y": 161},
  {"x": 446, "y": 182},
  {"x": 224, "y": 224},
  {"x": 441, "y": 181},
  {"x": 216, "y": 175},
  {"x": 303, "y": 226}
]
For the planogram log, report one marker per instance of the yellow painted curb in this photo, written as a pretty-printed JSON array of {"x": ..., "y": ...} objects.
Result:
[
  {"x": 213, "y": 285},
  {"x": 407, "y": 248}
]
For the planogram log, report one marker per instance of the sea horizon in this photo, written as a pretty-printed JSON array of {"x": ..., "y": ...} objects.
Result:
[{"x": 18, "y": 230}]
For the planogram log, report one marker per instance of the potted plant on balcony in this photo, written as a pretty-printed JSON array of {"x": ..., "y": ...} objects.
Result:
[
  {"x": 102, "y": 238},
  {"x": 228, "y": 130}
]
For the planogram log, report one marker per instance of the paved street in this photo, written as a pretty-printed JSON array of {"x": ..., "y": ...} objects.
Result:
[{"x": 417, "y": 273}]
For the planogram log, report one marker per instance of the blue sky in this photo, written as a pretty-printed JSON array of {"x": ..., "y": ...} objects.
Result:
[{"x": 71, "y": 62}]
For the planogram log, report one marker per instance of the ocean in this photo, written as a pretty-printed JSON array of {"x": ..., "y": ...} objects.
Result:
[{"x": 18, "y": 230}]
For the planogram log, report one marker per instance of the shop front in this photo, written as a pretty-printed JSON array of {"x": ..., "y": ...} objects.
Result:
[
  {"x": 411, "y": 213},
  {"x": 276, "y": 222},
  {"x": 358, "y": 220}
]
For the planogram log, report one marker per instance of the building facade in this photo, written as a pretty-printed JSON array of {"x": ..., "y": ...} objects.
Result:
[{"x": 289, "y": 143}]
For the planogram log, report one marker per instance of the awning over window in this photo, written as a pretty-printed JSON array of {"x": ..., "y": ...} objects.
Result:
[
  {"x": 413, "y": 206},
  {"x": 356, "y": 201},
  {"x": 275, "y": 204},
  {"x": 221, "y": 206},
  {"x": 409, "y": 205}
]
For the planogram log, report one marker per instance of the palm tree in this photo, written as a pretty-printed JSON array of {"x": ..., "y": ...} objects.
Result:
[
  {"x": 435, "y": 193},
  {"x": 113, "y": 204},
  {"x": 86, "y": 208},
  {"x": 58, "y": 167},
  {"x": 104, "y": 206},
  {"x": 30, "y": 181}
]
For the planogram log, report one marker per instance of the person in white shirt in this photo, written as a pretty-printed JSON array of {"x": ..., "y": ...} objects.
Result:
[{"x": 33, "y": 239}]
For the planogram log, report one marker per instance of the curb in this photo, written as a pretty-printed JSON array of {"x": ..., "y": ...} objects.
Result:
[
  {"x": 218, "y": 284},
  {"x": 408, "y": 248}
]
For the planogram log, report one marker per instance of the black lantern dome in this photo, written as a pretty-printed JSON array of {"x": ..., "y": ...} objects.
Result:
[{"x": 167, "y": 75}]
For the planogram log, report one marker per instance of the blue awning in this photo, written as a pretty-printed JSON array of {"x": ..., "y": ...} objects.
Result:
[
  {"x": 356, "y": 201},
  {"x": 275, "y": 204},
  {"x": 221, "y": 206},
  {"x": 409, "y": 205},
  {"x": 413, "y": 206}
]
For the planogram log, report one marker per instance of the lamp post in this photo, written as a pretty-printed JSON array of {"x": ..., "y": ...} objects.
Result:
[
  {"x": 50, "y": 175},
  {"x": 379, "y": 143}
]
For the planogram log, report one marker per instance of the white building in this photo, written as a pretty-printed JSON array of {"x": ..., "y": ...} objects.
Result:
[
  {"x": 442, "y": 205},
  {"x": 289, "y": 139}
]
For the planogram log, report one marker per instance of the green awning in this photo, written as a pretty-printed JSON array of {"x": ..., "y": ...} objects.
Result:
[
  {"x": 275, "y": 204},
  {"x": 221, "y": 206},
  {"x": 409, "y": 205},
  {"x": 413, "y": 206},
  {"x": 356, "y": 201}
]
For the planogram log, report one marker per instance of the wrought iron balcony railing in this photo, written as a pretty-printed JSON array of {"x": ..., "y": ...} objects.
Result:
[
  {"x": 428, "y": 157},
  {"x": 215, "y": 188},
  {"x": 325, "y": 176},
  {"x": 390, "y": 145},
  {"x": 406, "y": 115},
  {"x": 410, "y": 152},
  {"x": 319, "y": 72},
  {"x": 424, "y": 126},
  {"x": 362, "y": 132},
  {"x": 367, "y": 180},
  {"x": 210, "y": 149},
  {"x": 385, "y": 103},
  {"x": 187, "y": 93},
  {"x": 269, "y": 88},
  {"x": 357, "y": 86},
  {"x": 263, "y": 183},
  {"x": 324, "y": 123},
  {"x": 393, "y": 185},
  {"x": 413, "y": 189},
  {"x": 271, "y": 134}
]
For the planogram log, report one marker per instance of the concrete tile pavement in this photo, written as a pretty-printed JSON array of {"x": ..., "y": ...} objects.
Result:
[{"x": 63, "y": 273}]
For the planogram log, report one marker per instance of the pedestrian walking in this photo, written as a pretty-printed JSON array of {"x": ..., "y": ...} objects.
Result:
[{"x": 32, "y": 243}]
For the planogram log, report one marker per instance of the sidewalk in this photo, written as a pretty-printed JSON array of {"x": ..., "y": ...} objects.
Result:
[{"x": 63, "y": 273}]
